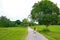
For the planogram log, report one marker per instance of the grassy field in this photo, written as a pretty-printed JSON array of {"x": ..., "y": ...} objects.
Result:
[
  {"x": 17, "y": 33},
  {"x": 52, "y": 34}
]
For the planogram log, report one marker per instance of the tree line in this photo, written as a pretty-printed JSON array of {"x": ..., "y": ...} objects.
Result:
[{"x": 5, "y": 22}]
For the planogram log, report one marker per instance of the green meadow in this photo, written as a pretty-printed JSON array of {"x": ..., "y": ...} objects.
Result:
[
  {"x": 20, "y": 33},
  {"x": 13, "y": 33},
  {"x": 52, "y": 34}
]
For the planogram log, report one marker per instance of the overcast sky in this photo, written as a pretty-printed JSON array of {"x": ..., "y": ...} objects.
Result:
[{"x": 18, "y": 9}]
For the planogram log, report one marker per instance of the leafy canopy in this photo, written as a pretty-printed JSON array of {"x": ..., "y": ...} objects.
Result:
[{"x": 44, "y": 10}]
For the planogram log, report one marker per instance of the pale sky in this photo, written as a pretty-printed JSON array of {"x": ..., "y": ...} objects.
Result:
[{"x": 18, "y": 9}]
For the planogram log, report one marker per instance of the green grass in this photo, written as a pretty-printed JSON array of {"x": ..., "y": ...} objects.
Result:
[
  {"x": 52, "y": 34},
  {"x": 13, "y": 33}
]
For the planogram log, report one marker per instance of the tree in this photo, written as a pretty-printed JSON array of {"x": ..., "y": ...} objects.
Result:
[
  {"x": 43, "y": 12},
  {"x": 25, "y": 22},
  {"x": 59, "y": 20},
  {"x": 18, "y": 22},
  {"x": 31, "y": 23},
  {"x": 5, "y": 22},
  {"x": 12, "y": 24}
]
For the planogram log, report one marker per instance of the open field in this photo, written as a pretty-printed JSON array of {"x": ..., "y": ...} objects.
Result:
[
  {"x": 13, "y": 33},
  {"x": 52, "y": 34}
]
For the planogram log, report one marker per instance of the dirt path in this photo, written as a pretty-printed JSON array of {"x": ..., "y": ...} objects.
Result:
[{"x": 34, "y": 36}]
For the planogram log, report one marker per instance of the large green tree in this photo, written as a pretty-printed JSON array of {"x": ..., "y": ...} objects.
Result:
[{"x": 44, "y": 12}]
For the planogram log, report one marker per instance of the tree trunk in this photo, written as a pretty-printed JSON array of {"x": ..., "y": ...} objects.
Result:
[
  {"x": 46, "y": 27},
  {"x": 47, "y": 24}
]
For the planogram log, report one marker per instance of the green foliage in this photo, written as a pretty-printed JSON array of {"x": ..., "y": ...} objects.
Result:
[
  {"x": 45, "y": 11},
  {"x": 58, "y": 20},
  {"x": 25, "y": 22},
  {"x": 18, "y": 22},
  {"x": 12, "y": 24},
  {"x": 4, "y": 22},
  {"x": 31, "y": 23}
]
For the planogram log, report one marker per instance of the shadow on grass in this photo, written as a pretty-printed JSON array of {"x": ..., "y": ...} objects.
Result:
[
  {"x": 51, "y": 34},
  {"x": 44, "y": 30}
]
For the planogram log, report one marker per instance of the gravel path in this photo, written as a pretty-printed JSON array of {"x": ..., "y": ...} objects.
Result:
[{"x": 34, "y": 36}]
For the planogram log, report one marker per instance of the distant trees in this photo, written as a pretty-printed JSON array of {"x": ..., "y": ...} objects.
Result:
[
  {"x": 32, "y": 23},
  {"x": 18, "y": 22},
  {"x": 25, "y": 22},
  {"x": 5, "y": 22},
  {"x": 45, "y": 12}
]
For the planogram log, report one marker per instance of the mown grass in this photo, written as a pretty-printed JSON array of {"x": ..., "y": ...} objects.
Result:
[
  {"x": 13, "y": 33},
  {"x": 52, "y": 34}
]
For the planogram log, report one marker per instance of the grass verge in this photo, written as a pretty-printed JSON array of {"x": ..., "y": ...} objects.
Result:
[{"x": 52, "y": 34}]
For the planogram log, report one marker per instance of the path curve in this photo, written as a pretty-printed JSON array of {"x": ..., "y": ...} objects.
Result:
[{"x": 34, "y": 36}]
